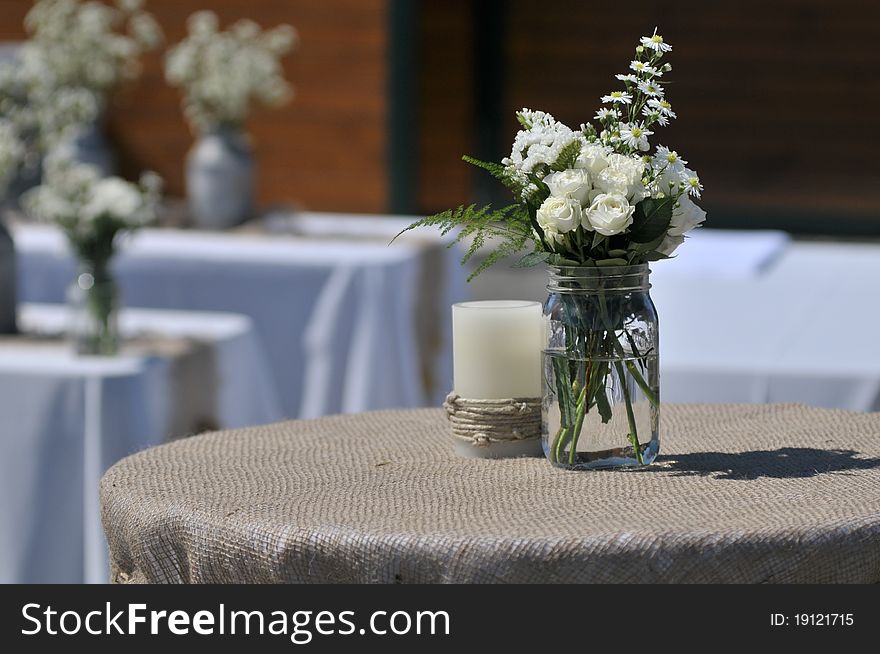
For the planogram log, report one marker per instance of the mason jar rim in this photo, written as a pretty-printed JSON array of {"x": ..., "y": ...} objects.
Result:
[{"x": 604, "y": 271}]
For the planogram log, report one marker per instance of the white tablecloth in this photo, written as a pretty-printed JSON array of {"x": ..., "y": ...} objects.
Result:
[
  {"x": 65, "y": 419},
  {"x": 802, "y": 330},
  {"x": 349, "y": 322},
  {"x": 754, "y": 317}
]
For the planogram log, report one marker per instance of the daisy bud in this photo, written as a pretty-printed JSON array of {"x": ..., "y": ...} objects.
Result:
[
  {"x": 639, "y": 49},
  {"x": 667, "y": 68}
]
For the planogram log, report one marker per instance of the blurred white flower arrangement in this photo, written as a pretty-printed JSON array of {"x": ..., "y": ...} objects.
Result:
[
  {"x": 76, "y": 52},
  {"x": 222, "y": 73},
  {"x": 11, "y": 150},
  {"x": 37, "y": 116},
  {"x": 89, "y": 45},
  {"x": 92, "y": 210}
]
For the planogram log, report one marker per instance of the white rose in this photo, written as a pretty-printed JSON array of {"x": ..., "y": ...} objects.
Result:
[
  {"x": 610, "y": 214},
  {"x": 113, "y": 196},
  {"x": 559, "y": 215},
  {"x": 685, "y": 217},
  {"x": 622, "y": 176},
  {"x": 572, "y": 183},
  {"x": 593, "y": 158}
]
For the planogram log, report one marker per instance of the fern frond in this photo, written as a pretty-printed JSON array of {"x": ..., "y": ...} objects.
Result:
[
  {"x": 567, "y": 156},
  {"x": 499, "y": 172},
  {"x": 510, "y": 225}
]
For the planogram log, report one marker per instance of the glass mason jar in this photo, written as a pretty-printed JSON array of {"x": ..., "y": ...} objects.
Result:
[
  {"x": 93, "y": 303},
  {"x": 601, "y": 373}
]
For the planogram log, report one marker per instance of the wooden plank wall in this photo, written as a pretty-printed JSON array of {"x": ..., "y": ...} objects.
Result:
[
  {"x": 326, "y": 150},
  {"x": 774, "y": 99}
]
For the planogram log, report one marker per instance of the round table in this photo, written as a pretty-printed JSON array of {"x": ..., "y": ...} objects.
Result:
[{"x": 742, "y": 493}]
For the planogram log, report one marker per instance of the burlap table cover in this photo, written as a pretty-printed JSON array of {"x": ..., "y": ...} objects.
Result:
[{"x": 743, "y": 493}]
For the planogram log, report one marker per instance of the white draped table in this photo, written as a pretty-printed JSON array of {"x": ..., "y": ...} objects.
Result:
[
  {"x": 349, "y": 322},
  {"x": 65, "y": 419},
  {"x": 802, "y": 329},
  {"x": 752, "y": 316}
]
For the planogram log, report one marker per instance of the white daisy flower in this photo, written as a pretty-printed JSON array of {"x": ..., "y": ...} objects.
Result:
[
  {"x": 655, "y": 116},
  {"x": 632, "y": 79},
  {"x": 662, "y": 106},
  {"x": 694, "y": 186},
  {"x": 655, "y": 42},
  {"x": 607, "y": 114},
  {"x": 638, "y": 66},
  {"x": 651, "y": 88},
  {"x": 635, "y": 135},
  {"x": 664, "y": 154},
  {"x": 617, "y": 97}
]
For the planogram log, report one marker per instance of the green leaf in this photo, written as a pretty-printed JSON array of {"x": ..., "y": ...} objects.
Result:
[
  {"x": 651, "y": 219},
  {"x": 532, "y": 259},
  {"x": 559, "y": 260},
  {"x": 647, "y": 247},
  {"x": 656, "y": 256},
  {"x": 563, "y": 391},
  {"x": 618, "y": 253},
  {"x": 611, "y": 262},
  {"x": 602, "y": 404},
  {"x": 597, "y": 240}
]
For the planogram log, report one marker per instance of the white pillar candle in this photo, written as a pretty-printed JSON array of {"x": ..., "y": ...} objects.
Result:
[{"x": 497, "y": 349}]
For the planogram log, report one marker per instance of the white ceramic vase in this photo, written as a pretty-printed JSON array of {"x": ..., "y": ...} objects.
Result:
[{"x": 220, "y": 179}]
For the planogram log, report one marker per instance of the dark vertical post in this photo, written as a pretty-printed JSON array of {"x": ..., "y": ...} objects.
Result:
[
  {"x": 490, "y": 70},
  {"x": 403, "y": 105}
]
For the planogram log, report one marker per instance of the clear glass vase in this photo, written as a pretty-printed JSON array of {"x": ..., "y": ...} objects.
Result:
[
  {"x": 93, "y": 303},
  {"x": 601, "y": 368}
]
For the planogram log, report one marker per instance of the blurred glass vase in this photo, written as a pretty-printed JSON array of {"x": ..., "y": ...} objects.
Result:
[
  {"x": 93, "y": 303},
  {"x": 88, "y": 145},
  {"x": 220, "y": 179},
  {"x": 601, "y": 376},
  {"x": 7, "y": 282}
]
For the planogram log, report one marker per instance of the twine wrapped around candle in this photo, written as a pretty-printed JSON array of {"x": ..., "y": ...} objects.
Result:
[{"x": 483, "y": 422}]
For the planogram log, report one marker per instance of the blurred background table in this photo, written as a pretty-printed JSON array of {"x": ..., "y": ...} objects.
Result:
[
  {"x": 756, "y": 317},
  {"x": 64, "y": 419},
  {"x": 350, "y": 324}
]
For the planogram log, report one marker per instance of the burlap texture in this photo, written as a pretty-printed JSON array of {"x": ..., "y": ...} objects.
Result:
[{"x": 763, "y": 493}]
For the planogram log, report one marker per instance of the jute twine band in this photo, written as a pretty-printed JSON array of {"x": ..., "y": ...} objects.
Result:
[
  {"x": 483, "y": 422},
  {"x": 741, "y": 493}
]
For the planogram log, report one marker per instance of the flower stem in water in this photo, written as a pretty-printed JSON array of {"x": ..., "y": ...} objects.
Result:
[{"x": 633, "y": 432}]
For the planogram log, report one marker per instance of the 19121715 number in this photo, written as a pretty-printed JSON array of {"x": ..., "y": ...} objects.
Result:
[{"x": 823, "y": 619}]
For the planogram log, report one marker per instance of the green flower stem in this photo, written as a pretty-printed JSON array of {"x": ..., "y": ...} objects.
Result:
[
  {"x": 637, "y": 377},
  {"x": 557, "y": 445},
  {"x": 630, "y": 416},
  {"x": 578, "y": 425}
]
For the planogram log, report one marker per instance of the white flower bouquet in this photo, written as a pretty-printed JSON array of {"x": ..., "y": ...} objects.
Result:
[
  {"x": 37, "y": 116},
  {"x": 94, "y": 212},
  {"x": 223, "y": 73},
  {"x": 597, "y": 204},
  {"x": 592, "y": 196},
  {"x": 88, "y": 45}
]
